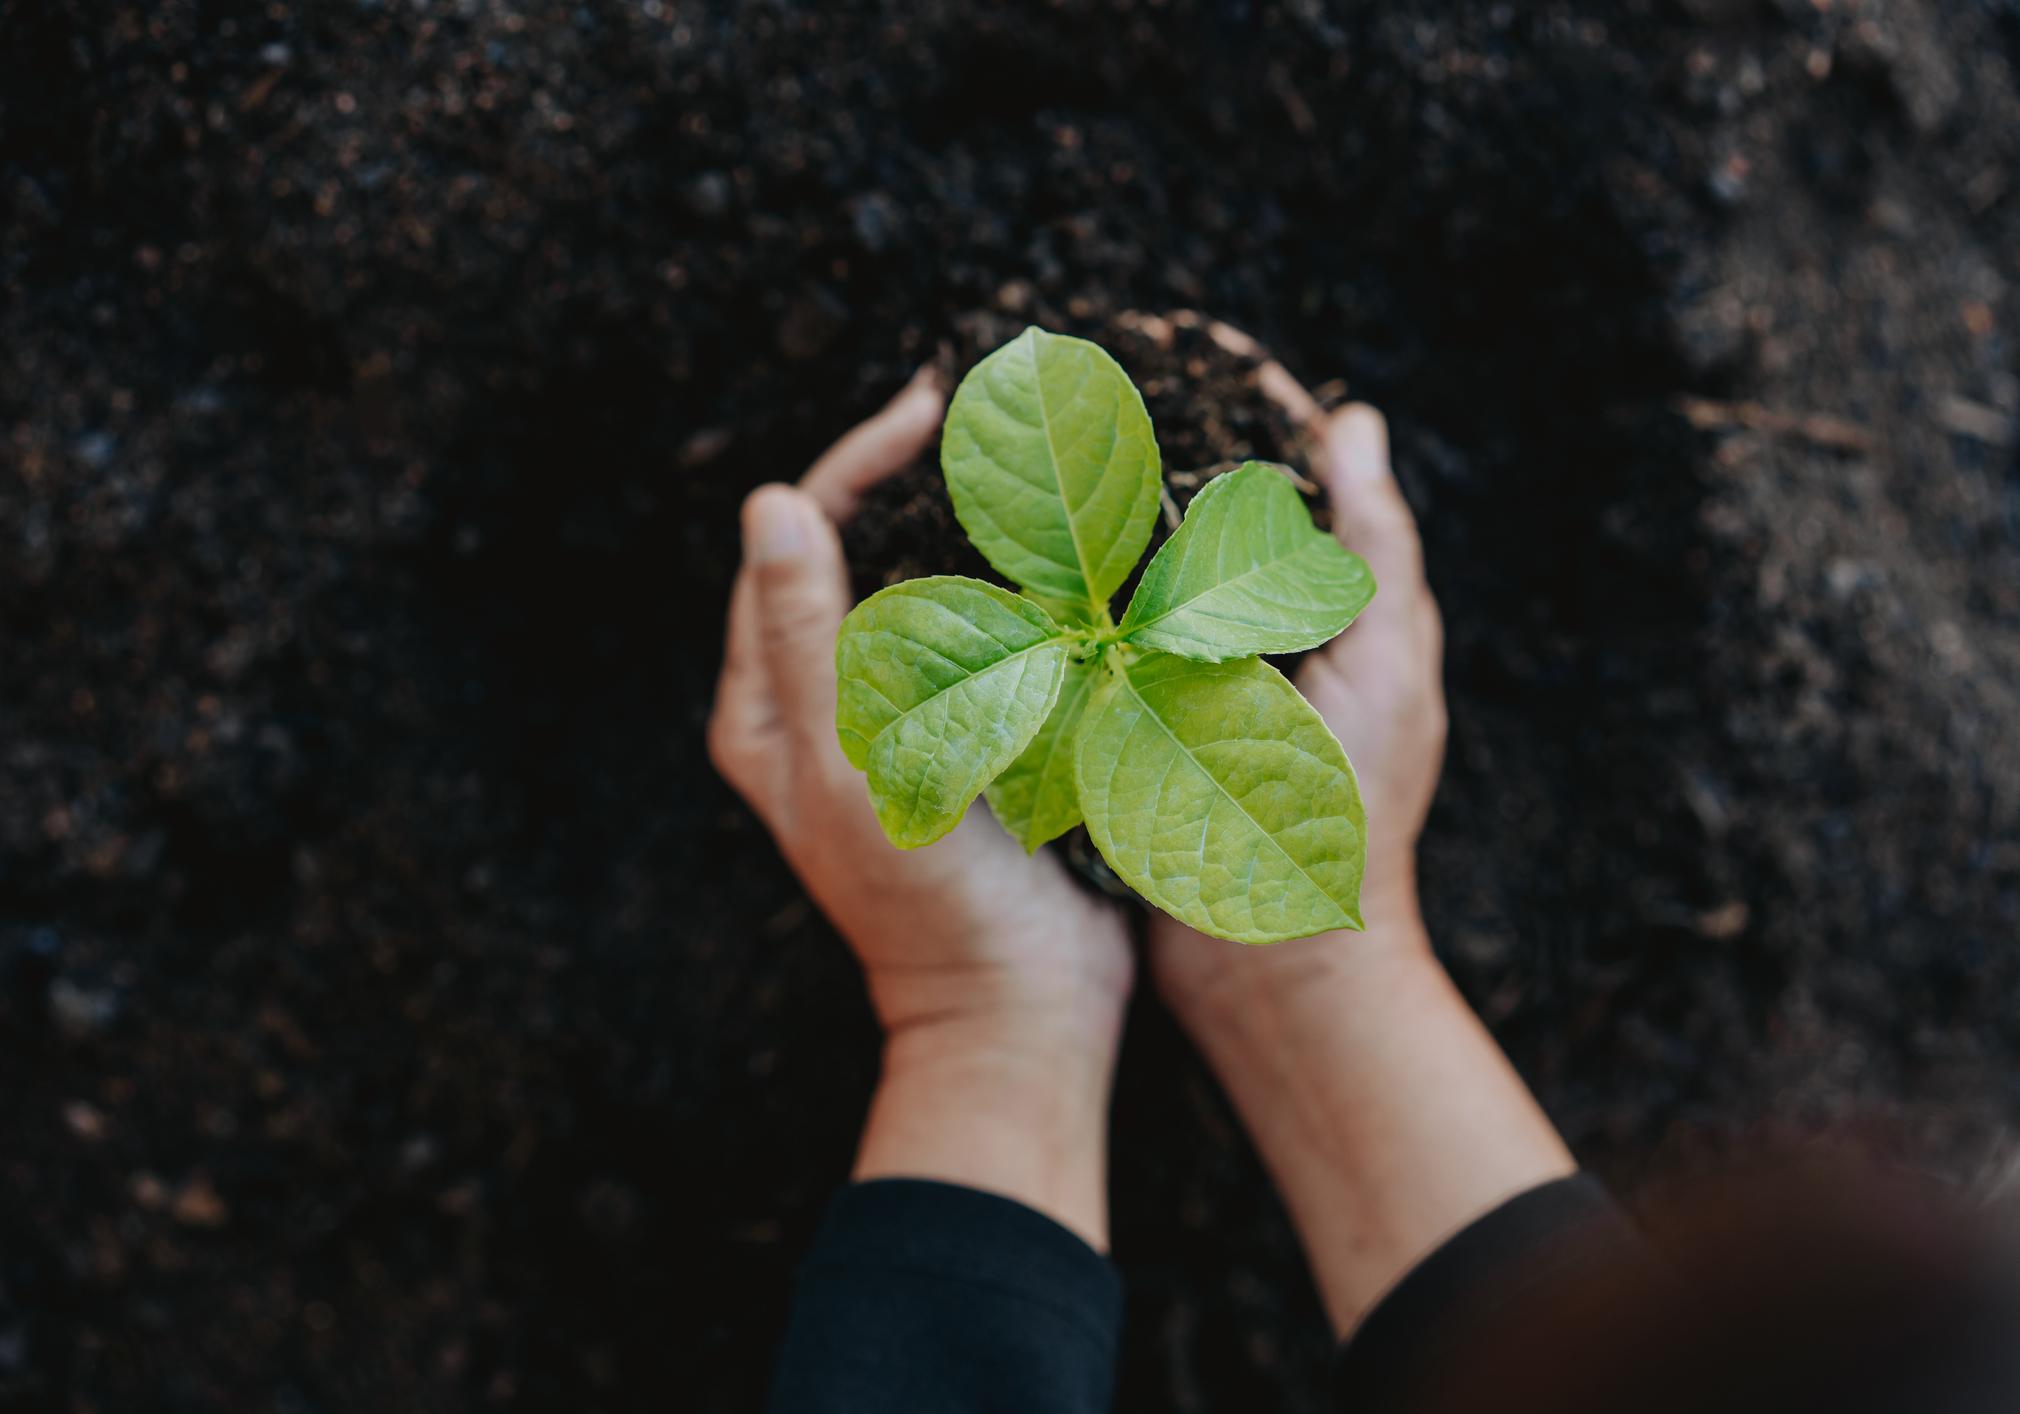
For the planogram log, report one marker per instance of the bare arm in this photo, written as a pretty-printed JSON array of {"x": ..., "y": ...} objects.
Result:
[
  {"x": 999, "y": 983},
  {"x": 1385, "y": 1112}
]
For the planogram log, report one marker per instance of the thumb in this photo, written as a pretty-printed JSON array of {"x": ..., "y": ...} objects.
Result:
[
  {"x": 795, "y": 560},
  {"x": 1369, "y": 513}
]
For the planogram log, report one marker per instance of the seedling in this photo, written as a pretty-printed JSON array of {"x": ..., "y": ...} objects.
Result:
[{"x": 1208, "y": 784}]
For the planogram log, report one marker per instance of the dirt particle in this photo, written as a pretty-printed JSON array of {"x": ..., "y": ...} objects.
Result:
[
  {"x": 1726, "y": 922},
  {"x": 812, "y": 322},
  {"x": 708, "y": 194},
  {"x": 85, "y": 1120},
  {"x": 198, "y": 1204},
  {"x": 82, "y": 1012}
]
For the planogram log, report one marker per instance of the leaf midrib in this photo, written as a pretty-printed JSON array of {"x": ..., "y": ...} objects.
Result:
[
  {"x": 919, "y": 781},
  {"x": 1058, "y": 484},
  {"x": 1260, "y": 828},
  {"x": 1214, "y": 588}
]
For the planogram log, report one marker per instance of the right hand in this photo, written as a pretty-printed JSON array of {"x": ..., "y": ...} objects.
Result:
[
  {"x": 968, "y": 929},
  {"x": 1000, "y": 982},
  {"x": 1379, "y": 686}
]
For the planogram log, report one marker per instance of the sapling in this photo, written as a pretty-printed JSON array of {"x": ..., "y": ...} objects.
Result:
[{"x": 1208, "y": 784}]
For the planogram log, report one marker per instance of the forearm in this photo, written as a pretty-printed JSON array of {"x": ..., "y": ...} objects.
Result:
[
  {"x": 1003, "y": 1104},
  {"x": 964, "y": 1269},
  {"x": 1385, "y": 1112}
]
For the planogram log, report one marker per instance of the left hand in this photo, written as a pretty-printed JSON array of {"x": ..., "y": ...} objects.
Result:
[
  {"x": 969, "y": 928},
  {"x": 1379, "y": 686}
]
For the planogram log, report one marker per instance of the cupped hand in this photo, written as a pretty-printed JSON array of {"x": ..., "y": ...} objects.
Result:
[
  {"x": 1381, "y": 1106},
  {"x": 1379, "y": 686},
  {"x": 969, "y": 927}
]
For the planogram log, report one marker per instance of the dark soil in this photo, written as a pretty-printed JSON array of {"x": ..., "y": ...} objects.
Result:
[{"x": 395, "y": 1011}]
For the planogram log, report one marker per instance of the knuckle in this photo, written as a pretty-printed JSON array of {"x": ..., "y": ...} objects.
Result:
[
  {"x": 1320, "y": 675},
  {"x": 726, "y": 747},
  {"x": 1437, "y": 719},
  {"x": 828, "y": 773},
  {"x": 793, "y": 606}
]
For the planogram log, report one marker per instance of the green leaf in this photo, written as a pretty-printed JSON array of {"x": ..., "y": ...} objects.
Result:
[
  {"x": 1217, "y": 793},
  {"x": 1246, "y": 573},
  {"x": 1053, "y": 468},
  {"x": 1036, "y": 797},
  {"x": 1076, "y": 613},
  {"x": 943, "y": 682}
]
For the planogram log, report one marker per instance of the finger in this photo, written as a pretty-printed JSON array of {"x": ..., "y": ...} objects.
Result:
[
  {"x": 745, "y": 733},
  {"x": 801, "y": 594},
  {"x": 881, "y": 447},
  {"x": 1369, "y": 513},
  {"x": 743, "y": 701},
  {"x": 743, "y": 669}
]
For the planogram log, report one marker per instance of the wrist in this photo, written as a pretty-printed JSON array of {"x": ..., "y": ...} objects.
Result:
[
  {"x": 1390, "y": 904},
  {"x": 1074, "y": 1007},
  {"x": 1382, "y": 1108},
  {"x": 1006, "y": 1102},
  {"x": 1011, "y": 1049},
  {"x": 1279, "y": 995},
  {"x": 1336, "y": 986}
]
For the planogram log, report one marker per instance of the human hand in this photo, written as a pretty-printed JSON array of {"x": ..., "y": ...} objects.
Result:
[
  {"x": 999, "y": 982},
  {"x": 1379, "y": 687},
  {"x": 1383, "y": 1109}
]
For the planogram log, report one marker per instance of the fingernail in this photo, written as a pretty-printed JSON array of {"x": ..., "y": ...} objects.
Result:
[{"x": 775, "y": 526}]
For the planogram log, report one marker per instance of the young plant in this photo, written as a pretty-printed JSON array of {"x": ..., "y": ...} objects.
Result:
[{"x": 1207, "y": 783}]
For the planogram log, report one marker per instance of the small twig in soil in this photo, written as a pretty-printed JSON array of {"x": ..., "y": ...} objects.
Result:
[
  {"x": 1205, "y": 474},
  {"x": 1233, "y": 340},
  {"x": 1158, "y": 331},
  {"x": 1295, "y": 107},
  {"x": 1976, "y": 421},
  {"x": 1299, "y": 479},
  {"x": 1817, "y": 428},
  {"x": 1331, "y": 393},
  {"x": 703, "y": 447}
]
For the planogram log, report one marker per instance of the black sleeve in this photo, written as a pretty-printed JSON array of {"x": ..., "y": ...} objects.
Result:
[
  {"x": 922, "y": 1296},
  {"x": 1426, "y": 1322}
]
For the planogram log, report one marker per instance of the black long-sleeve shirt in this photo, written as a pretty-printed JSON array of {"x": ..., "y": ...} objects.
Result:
[{"x": 921, "y": 1296}]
